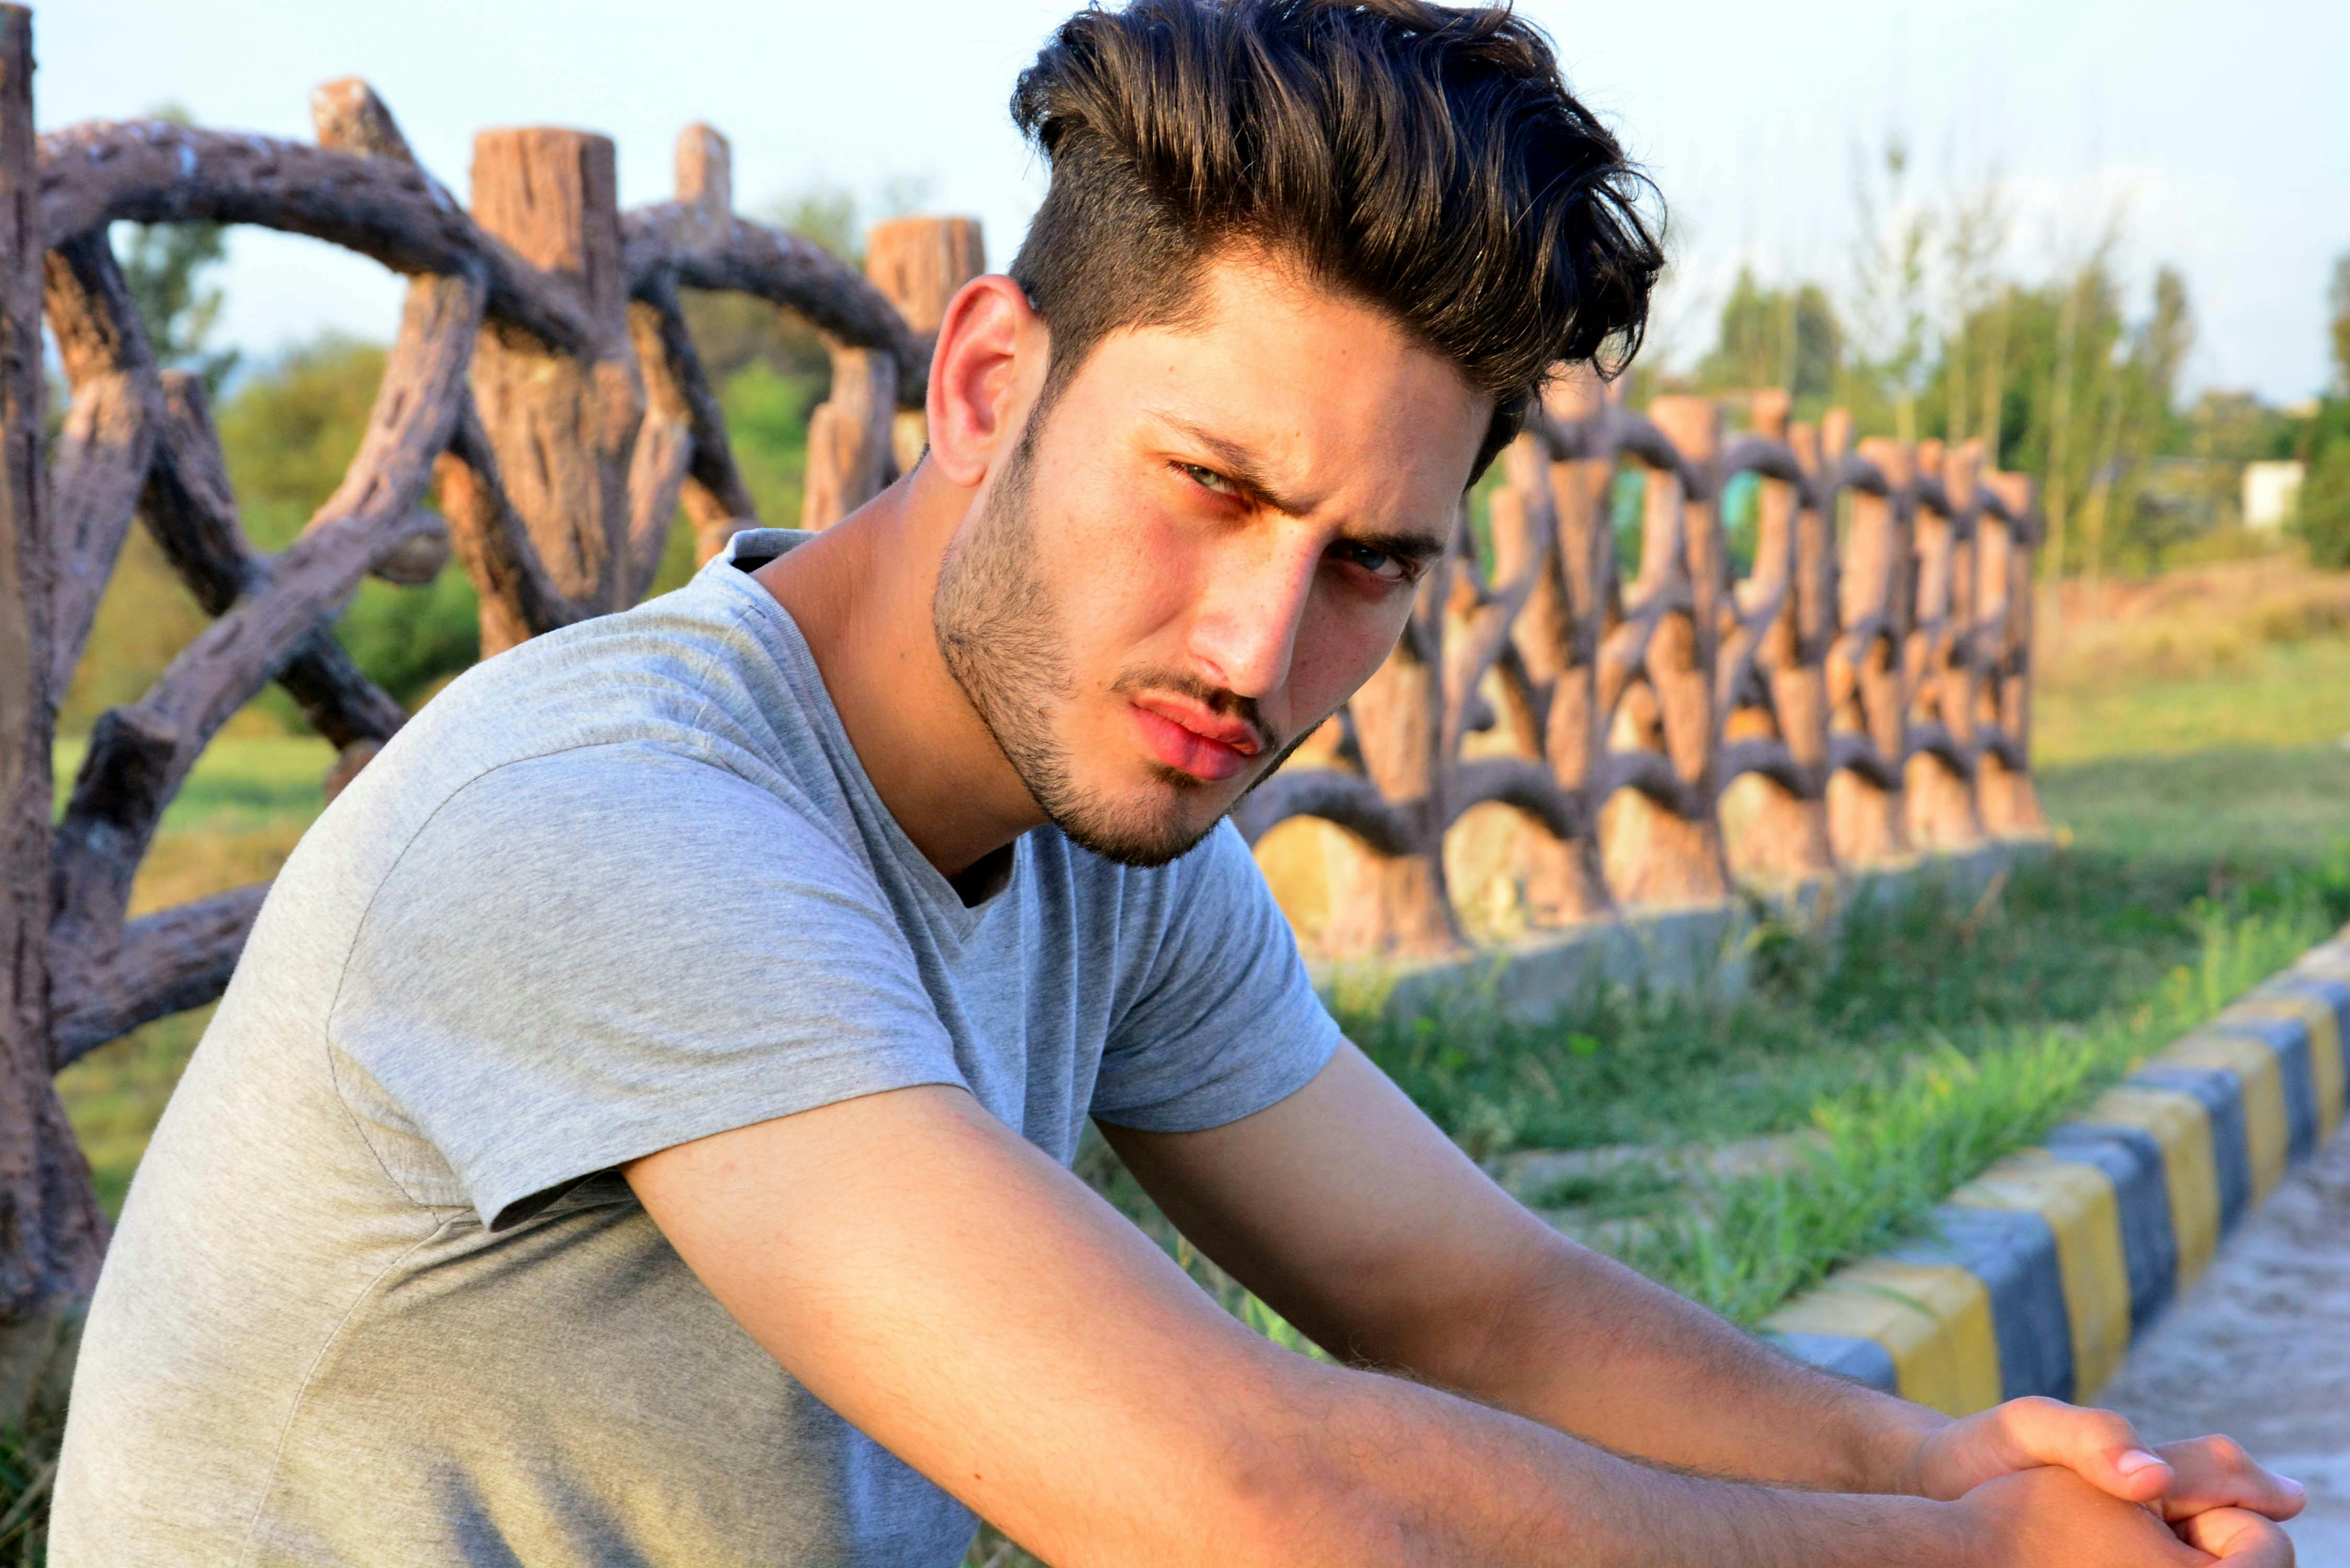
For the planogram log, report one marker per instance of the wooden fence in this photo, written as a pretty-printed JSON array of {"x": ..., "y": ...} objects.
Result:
[
  {"x": 1866, "y": 684},
  {"x": 1651, "y": 739}
]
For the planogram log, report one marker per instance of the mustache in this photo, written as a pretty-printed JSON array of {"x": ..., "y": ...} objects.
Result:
[{"x": 1220, "y": 700}]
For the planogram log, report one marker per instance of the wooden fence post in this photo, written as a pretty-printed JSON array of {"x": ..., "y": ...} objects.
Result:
[
  {"x": 1772, "y": 830},
  {"x": 918, "y": 264},
  {"x": 1655, "y": 850},
  {"x": 2003, "y": 786},
  {"x": 1865, "y": 818},
  {"x": 51, "y": 1234},
  {"x": 1940, "y": 782},
  {"x": 563, "y": 427}
]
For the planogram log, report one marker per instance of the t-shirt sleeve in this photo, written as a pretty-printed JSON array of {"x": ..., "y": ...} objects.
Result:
[
  {"x": 594, "y": 956},
  {"x": 1224, "y": 1021}
]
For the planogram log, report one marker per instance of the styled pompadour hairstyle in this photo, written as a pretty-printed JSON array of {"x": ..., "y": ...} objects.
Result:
[{"x": 1428, "y": 160}]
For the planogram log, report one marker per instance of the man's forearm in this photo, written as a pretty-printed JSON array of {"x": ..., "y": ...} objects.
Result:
[
  {"x": 1421, "y": 1476},
  {"x": 1589, "y": 1346}
]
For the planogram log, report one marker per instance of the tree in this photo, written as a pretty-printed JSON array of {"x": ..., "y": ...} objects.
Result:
[
  {"x": 1889, "y": 294},
  {"x": 1775, "y": 337},
  {"x": 2322, "y": 515},
  {"x": 2339, "y": 298}
]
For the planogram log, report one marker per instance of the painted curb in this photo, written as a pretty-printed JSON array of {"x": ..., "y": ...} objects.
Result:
[{"x": 2051, "y": 1261}]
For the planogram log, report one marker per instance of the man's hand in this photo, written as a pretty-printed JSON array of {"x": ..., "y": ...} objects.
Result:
[
  {"x": 2046, "y": 1515},
  {"x": 2184, "y": 1480}
]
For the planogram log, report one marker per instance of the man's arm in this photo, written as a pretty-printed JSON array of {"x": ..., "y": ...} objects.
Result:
[
  {"x": 981, "y": 1313},
  {"x": 1346, "y": 1209}
]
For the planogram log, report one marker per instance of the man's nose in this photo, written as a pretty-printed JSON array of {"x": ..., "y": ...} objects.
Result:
[{"x": 1244, "y": 628}]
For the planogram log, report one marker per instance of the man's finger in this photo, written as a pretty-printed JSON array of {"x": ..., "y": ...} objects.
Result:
[
  {"x": 2101, "y": 1448},
  {"x": 2216, "y": 1473},
  {"x": 2239, "y": 1538}
]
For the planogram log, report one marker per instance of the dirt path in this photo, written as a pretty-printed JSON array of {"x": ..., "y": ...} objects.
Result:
[{"x": 2259, "y": 1349}]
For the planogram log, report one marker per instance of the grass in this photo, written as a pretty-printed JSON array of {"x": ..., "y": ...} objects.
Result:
[
  {"x": 2072, "y": 936},
  {"x": 241, "y": 782},
  {"x": 1889, "y": 1153}
]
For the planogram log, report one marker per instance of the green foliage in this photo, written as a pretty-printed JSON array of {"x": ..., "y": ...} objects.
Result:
[
  {"x": 412, "y": 641},
  {"x": 1891, "y": 301},
  {"x": 1786, "y": 337},
  {"x": 2338, "y": 297},
  {"x": 163, "y": 267},
  {"x": 288, "y": 435},
  {"x": 2321, "y": 512},
  {"x": 766, "y": 421},
  {"x": 292, "y": 429}
]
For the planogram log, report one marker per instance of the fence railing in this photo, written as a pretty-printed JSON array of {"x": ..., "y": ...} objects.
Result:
[
  {"x": 1863, "y": 692},
  {"x": 1866, "y": 684}
]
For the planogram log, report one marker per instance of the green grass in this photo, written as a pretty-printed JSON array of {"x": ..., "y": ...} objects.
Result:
[
  {"x": 2229, "y": 811},
  {"x": 1889, "y": 1153},
  {"x": 2072, "y": 936},
  {"x": 2276, "y": 695},
  {"x": 241, "y": 781}
]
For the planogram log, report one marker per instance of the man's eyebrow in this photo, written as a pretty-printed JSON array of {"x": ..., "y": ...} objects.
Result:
[
  {"x": 1239, "y": 465},
  {"x": 1405, "y": 547}
]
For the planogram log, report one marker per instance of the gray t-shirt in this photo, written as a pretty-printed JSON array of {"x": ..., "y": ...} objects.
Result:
[{"x": 377, "y": 1296}]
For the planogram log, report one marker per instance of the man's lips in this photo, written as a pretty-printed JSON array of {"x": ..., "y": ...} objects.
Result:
[{"x": 1194, "y": 739}]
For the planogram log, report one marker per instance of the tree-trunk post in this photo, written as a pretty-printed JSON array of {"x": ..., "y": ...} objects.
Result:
[
  {"x": 850, "y": 459},
  {"x": 1572, "y": 741},
  {"x": 51, "y": 1234},
  {"x": 1865, "y": 813},
  {"x": 918, "y": 264},
  {"x": 1657, "y": 852},
  {"x": 716, "y": 502},
  {"x": 1783, "y": 834},
  {"x": 1940, "y": 789},
  {"x": 2003, "y": 784},
  {"x": 563, "y": 427}
]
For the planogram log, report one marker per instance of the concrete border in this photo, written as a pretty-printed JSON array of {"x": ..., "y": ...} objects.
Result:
[{"x": 2050, "y": 1262}]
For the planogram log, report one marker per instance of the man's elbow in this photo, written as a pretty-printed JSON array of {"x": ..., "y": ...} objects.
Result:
[{"x": 1333, "y": 1496}]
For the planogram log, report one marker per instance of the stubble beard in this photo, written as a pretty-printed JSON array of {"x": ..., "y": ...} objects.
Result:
[{"x": 1002, "y": 637}]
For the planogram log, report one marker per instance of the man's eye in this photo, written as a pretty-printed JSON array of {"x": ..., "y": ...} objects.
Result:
[
  {"x": 1379, "y": 563},
  {"x": 1209, "y": 479}
]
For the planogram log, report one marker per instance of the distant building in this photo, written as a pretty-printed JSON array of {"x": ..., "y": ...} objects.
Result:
[{"x": 2270, "y": 491}]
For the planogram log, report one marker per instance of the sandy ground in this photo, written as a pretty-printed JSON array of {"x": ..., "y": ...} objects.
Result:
[{"x": 2259, "y": 1349}]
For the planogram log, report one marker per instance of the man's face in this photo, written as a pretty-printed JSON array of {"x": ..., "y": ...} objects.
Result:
[{"x": 1203, "y": 546}]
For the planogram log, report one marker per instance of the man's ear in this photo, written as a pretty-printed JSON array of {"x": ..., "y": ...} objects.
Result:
[{"x": 989, "y": 362}]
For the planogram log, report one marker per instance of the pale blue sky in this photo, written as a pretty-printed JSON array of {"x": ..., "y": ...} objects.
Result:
[{"x": 2220, "y": 133}]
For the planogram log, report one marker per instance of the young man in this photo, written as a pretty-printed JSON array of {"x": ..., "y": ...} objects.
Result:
[{"x": 639, "y": 1132}]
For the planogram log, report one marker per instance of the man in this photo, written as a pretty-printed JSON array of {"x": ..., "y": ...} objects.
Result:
[{"x": 639, "y": 1131}]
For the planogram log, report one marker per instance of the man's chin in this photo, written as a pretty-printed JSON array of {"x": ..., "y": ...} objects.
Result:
[{"x": 1143, "y": 832}]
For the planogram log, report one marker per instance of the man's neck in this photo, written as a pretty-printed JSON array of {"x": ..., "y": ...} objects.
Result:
[{"x": 861, "y": 594}]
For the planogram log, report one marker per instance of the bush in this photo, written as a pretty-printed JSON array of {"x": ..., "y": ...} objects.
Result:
[{"x": 2321, "y": 516}]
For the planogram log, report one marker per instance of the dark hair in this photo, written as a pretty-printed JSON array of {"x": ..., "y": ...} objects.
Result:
[{"x": 1427, "y": 158}]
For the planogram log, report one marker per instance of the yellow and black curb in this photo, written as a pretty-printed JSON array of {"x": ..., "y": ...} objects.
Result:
[{"x": 2048, "y": 1262}]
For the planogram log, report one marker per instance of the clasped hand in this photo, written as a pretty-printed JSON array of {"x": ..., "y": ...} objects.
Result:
[{"x": 2009, "y": 1464}]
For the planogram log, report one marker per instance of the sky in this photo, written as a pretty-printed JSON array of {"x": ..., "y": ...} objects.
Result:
[{"x": 2212, "y": 136}]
